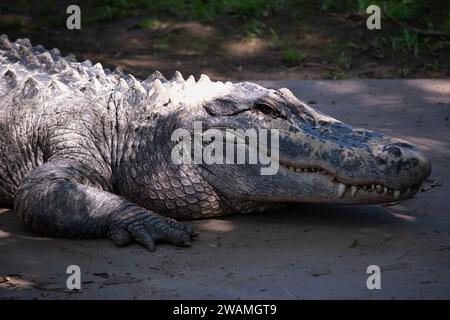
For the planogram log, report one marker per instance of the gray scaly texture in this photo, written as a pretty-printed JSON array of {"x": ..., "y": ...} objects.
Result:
[{"x": 86, "y": 153}]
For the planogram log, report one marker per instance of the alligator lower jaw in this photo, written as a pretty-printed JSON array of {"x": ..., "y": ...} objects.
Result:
[{"x": 378, "y": 192}]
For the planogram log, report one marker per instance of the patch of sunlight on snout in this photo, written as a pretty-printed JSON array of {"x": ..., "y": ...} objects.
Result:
[{"x": 215, "y": 225}]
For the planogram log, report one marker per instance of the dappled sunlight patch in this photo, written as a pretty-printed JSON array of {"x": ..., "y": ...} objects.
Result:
[
  {"x": 425, "y": 144},
  {"x": 4, "y": 234},
  {"x": 401, "y": 211},
  {"x": 440, "y": 87},
  {"x": 197, "y": 29},
  {"x": 14, "y": 237},
  {"x": 404, "y": 217},
  {"x": 341, "y": 87},
  {"x": 245, "y": 47},
  {"x": 216, "y": 225},
  {"x": 371, "y": 236}
]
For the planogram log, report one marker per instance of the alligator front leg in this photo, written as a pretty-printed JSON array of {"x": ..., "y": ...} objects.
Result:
[{"x": 60, "y": 198}]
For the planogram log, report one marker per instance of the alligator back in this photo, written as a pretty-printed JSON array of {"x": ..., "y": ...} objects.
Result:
[{"x": 35, "y": 85}]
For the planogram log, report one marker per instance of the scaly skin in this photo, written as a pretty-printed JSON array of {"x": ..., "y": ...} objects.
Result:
[{"x": 86, "y": 153}]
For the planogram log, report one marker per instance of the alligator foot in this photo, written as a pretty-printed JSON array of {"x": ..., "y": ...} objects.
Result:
[
  {"x": 60, "y": 198},
  {"x": 146, "y": 228}
]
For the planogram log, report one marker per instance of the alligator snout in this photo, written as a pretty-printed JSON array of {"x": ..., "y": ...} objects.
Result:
[
  {"x": 365, "y": 156},
  {"x": 403, "y": 163},
  {"x": 363, "y": 165}
]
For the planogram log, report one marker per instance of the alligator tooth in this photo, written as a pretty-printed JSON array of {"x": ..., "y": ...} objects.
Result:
[
  {"x": 313, "y": 169},
  {"x": 298, "y": 170},
  {"x": 372, "y": 187},
  {"x": 385, "y": 190},
  {"x": 396, "y": 194},
  {"x": 341, "y": 189},
  {"x": 354, "y": 190}
]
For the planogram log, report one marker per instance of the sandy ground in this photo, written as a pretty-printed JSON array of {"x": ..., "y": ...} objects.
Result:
[{"x": 304, "y": 252}]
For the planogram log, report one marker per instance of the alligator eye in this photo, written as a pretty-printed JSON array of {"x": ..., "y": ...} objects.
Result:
[{"x": 267, "y": 109}]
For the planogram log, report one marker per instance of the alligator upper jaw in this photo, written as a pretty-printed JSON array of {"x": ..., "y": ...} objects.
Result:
[{"x": 328, "y": 188}]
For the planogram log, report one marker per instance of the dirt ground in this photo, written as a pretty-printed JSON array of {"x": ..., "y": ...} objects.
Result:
[
  {"x": 310, "y": 251},
  {"x": 304, "y": 43}
]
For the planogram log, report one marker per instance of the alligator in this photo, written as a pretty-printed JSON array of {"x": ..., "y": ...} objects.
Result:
[{"x": 86, "y": 152}]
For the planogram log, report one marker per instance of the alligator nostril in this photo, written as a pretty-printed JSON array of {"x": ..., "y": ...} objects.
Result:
[{"x": 395, "y": 151}]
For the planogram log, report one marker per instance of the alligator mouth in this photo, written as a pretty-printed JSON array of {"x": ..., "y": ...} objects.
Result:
[{"x": 344, "y": 189}]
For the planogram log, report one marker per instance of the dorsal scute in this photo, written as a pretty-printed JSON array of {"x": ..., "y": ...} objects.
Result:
[
  {"x": 46, "y": 60},
  {"x": 204, "y": 79},
  {"x": 61, "y": 65},
  {"x": 28, "y": 57},
  {"x": 97, "y": 69},
  {"x": 55, "y": 88},
  {"x": 39, "y": 48},
  {"x": 30, "y": 88},
  {"x": 136, "y": 93},
  {"x": 94, "y": 84},
  {"x": 81, "y": 70},
  {"x": 9, "y": 49},
  {"x": 86, "y": 63},
  {"x": 135, "y": 84},
  {"x": 121, "y": 85},
  {"x": 10, "y": 78},
  {"x": 118, "y": 72},
  {"x": 70, "y": 58},
  {"x": 177, "y": 77},
  {"x": 148, "y": 83},
  {"x": 24, "y": 42},
  {"x": 56, "y": 54},
  {"x": 156, "y": 75},
  {"x": 188, "y": 92},
  {"x": 4, "y": 42},
  {"x": 84, "y": 76}
]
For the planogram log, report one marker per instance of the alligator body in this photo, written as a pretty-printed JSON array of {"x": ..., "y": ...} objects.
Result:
[{"x": 86, "y": 153}]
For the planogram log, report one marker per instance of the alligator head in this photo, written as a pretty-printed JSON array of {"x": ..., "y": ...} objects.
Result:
[{"x": 321, "y": 159}]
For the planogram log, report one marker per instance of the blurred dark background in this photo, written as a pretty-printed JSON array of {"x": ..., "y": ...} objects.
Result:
[{"x": 245, "y": 39}]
